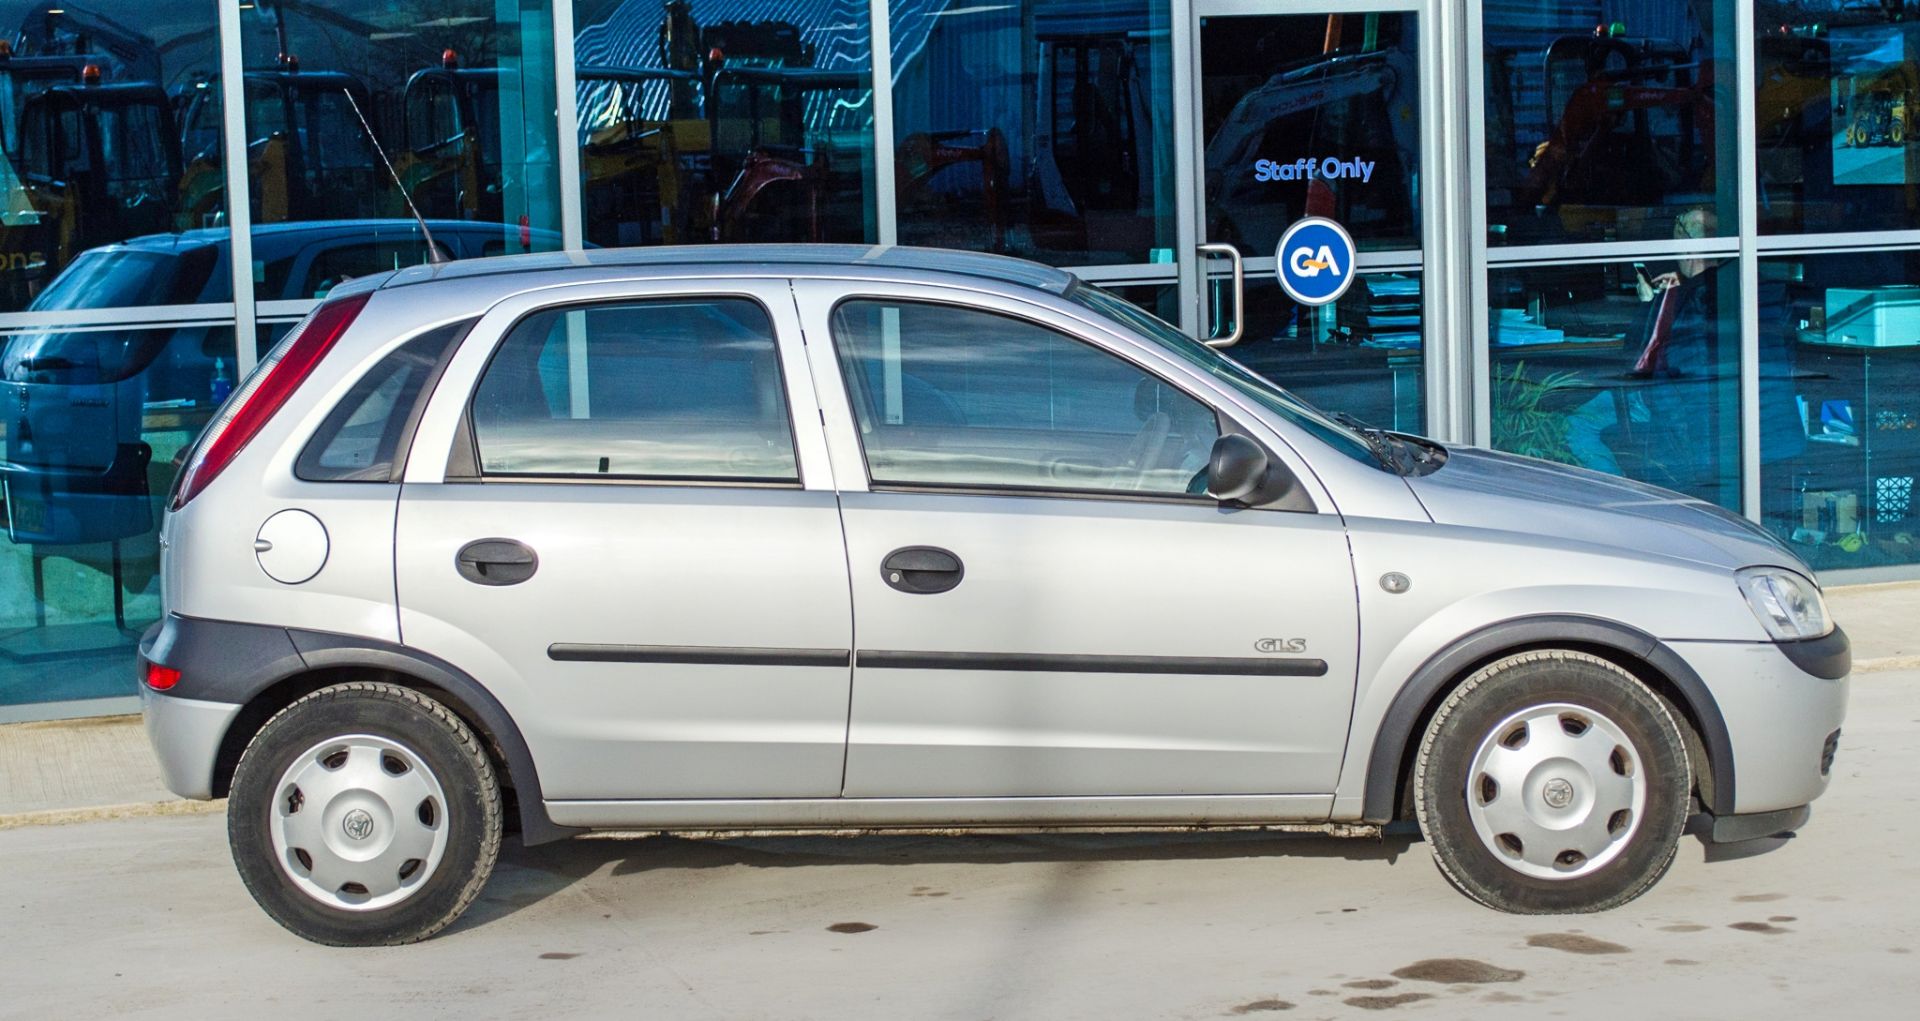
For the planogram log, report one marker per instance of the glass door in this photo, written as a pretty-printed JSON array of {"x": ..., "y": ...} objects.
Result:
[{"x": 1313, "y": 110}]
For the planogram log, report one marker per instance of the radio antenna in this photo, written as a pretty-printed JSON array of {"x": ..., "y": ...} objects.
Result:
[{"x": 434, "y": 255}]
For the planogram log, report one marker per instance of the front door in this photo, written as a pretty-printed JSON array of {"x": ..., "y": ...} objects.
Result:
[
  {"x": 634, "y": 544},
  {"x": 1315, "y": 110},
  {"x": 1045, "y": 601}
]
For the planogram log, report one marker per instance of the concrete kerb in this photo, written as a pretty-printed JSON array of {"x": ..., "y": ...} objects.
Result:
[
  {"x": 1884, "y": 664},
  {"x": 103, "y": 813}
]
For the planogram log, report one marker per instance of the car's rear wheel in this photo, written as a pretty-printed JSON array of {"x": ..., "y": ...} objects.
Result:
[
  {"x": 364, "y": 814},
  {"x": 1553, "y": 782}
]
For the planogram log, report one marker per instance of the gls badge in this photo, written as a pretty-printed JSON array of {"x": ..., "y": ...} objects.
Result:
[
  {"x": 1280, "y": 645},
  {"x": 1315, "y": 258}
]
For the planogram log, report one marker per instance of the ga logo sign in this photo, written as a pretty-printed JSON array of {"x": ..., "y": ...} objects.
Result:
[{"x": 1316, "y": 261}]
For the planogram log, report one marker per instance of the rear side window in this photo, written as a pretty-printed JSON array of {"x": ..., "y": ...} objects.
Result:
[
  {"x": 685, "y": 389},
  {"x": 365, "y": 435}
]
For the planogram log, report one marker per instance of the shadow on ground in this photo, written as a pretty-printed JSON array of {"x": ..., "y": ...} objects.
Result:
[{"x": 526, "y": 876}]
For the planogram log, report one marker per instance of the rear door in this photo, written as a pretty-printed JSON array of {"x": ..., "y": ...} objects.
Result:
[
  {"x": 620, "y": 519},
  {"x": 1045, "y": 601}
]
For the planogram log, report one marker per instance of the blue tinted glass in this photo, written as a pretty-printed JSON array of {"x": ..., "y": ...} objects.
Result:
[
  {"x": 1041, "y": 128},
  {"x": 1835, "y": 114},
  {"x": 1362, "y": 354},
  {"x": 722, "y": 120},
  {"x": 119, "y": 276},
  {"x": 1624, "y": 368},
  {"x": 948, "y": 396},
  {"x": 459, "y": 100},
  {"x": 1604, "y": 120},
  {"x": 1311, "y": 115},
  {"x": 1840, "y": 406},
  {"x": 98, "y": 419},
  {"x": 1229, "y": 371},
  {"x": 93, "y": 99}
]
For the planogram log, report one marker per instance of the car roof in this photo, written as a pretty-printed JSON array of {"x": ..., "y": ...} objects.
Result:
[{"x": 749, "y": 258}]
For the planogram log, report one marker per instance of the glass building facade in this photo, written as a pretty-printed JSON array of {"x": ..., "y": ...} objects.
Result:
[{"x": 1675, "y": 241}]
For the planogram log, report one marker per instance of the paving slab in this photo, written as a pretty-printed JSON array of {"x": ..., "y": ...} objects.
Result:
[{"x": 77, "y": 764}]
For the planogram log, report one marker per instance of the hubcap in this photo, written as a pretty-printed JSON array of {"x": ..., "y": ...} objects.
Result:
[
  {"x": 359, "y": 822},
  {"x": 1556, "y": 791}
]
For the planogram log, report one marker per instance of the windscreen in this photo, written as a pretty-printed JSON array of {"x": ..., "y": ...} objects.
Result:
[
  {"x": 1242, "y": 379},
  {"x": 117, "y": 278}
]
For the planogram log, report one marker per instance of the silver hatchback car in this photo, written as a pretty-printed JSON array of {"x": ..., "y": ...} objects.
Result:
[{"x": 829, "y": 538}]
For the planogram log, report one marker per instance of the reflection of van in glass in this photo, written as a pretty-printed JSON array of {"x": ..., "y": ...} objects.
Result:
[
  {"x": 451, "y": 157},
  {"x": 77, "y": 401},
  {"x": 85, "y": 162}
]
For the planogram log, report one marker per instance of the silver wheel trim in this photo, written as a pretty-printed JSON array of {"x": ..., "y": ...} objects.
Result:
[
  {"x": 1556, "y": 791},
  {"x": 359, "y": 822}
]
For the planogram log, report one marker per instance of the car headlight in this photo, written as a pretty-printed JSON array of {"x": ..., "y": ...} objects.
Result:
[{"x": 1788, "y": 604}]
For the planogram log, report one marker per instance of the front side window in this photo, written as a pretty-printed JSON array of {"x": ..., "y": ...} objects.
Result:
[
  {"x": 680, "y": 389},
  {"x": 1225, "y": 370},
  {"x": 956, "y": 397}
]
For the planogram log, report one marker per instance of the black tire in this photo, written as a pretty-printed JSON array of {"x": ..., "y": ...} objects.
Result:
[
  {"x": 446, "y": 746},
  {"x": 1516, "y": 684}
]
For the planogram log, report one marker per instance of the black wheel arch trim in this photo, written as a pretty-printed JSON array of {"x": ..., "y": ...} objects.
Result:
[
  {"x": 1387, "y": 761},
  {"x": 223, "y": 661},
  {"x": 1734, "y": 829}
]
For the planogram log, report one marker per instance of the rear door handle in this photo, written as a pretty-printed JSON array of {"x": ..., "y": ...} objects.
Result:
[
  {"x": 496, "y": 562},
  {"x": 922, "y": 570}
]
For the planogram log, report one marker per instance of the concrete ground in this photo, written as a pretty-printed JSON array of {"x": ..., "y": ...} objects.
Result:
[
  {"x": 1882, "y": 620},
  {"x": 144, "y": 916}
]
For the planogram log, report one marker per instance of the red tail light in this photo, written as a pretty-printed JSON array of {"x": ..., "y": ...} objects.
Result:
[
  {"x": 265, "y": 390},
  {"x": 161, "y": 678}
]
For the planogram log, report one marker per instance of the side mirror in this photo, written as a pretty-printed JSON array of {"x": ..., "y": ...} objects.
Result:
[{"x": 1237, "y": 469}]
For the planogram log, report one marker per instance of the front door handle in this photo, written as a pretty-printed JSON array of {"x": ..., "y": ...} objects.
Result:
[
  {"x": 496, "y": 562},
  {"x": 922, "y": 570}
]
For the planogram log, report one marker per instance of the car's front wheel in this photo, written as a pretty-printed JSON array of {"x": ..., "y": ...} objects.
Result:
[
  {"x": 1553, "y": 782},
  {"x": 364, "y": 814}
]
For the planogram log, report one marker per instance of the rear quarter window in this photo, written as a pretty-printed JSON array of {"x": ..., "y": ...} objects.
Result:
[{"x": 364, "y": 437}]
